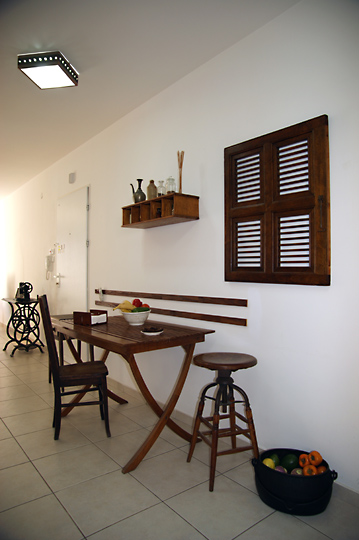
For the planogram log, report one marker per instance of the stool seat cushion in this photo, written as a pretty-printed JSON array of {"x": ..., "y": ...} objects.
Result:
[{"x": 224, "y": 361}]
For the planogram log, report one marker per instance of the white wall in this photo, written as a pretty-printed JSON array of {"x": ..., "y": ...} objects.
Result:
[{"x": 303, "y": 64}]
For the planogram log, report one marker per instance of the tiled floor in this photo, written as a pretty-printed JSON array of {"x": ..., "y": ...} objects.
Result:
[{"x": 73, "y": 488}]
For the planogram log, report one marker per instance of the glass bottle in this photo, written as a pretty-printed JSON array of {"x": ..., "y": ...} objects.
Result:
[
  {"x": 161, "y": 190},
  {"x": 151, "y": 190},
  {"x": 170, "y": 185}
]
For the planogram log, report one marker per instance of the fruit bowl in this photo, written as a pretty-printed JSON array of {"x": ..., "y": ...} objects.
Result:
[{"x": 136, "y": 318}]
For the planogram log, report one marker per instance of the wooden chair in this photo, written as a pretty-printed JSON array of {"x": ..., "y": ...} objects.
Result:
[
  {"x": 92, "y": 375},
  {"x": 224, "y": 399}
]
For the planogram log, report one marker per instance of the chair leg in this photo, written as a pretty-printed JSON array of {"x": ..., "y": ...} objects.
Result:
[
  {"x": 57, "y": 416},
  {"x": 105, "y": 407}
]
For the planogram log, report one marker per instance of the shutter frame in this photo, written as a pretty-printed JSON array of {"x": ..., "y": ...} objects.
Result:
[{"x": 308, "y": 194}]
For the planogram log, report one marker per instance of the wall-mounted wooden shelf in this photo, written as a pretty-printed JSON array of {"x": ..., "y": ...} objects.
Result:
[{"x": 164, "y": 210}]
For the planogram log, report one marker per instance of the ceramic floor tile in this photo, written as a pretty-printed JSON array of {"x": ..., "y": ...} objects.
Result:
[
  {"x": 157, "y": 523},
  {"x": 74, "y": 466},
  {"x": 35, "y": 376},
  {"x": 11, "y": 454},
  {"x": 29, "y": 422},
  {"x": 4, "y": 432},
  {"x": 346, "y": 495},
  {"x": 123, "y": 447},
  {"x": 15, "y": 392},
  {"x": 8, "y": 379},
  {"x": 224, "y": 463},
  {"x": 22, "y": 405},
  {"x": 27, "y": 368},
  {"x": 222, "y": 514},
  {"x": 111, "y": 497},
  {"x": 23, "y": 484},
  {"x": 279, "y": 526},
  {"x": 169, "y": 474},
  {"x": 173, "y": 438},
  {"x": 41, "y": 387},
  {"x": 339, "y": 521},
  {"x": 39, "y": 444},
  {"x": 142, "y": 415},
  {"x": 42, "y": 519},
  {"x": 243, "y": 475},
  {"x": 119, "y": 425}
]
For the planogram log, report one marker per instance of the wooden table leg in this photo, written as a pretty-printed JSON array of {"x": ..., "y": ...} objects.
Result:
[{"x": 163, "y": 414}]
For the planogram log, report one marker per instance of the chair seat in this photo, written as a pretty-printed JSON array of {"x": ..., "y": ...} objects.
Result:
[
  {"x": 224, "y": 361},
  {"x": 86, "y": 373}
]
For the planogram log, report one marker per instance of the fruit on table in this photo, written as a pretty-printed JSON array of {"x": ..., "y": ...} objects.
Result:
[
  {"x": 269, "y": 463},
  {"x": 315, "y": 458},
  {"x": 124, "y": 306},
  {"x": 275, "y": 458},
  {"x": 135, "y": 305},
  {"x": 290, "y": 462},
  {"x": 310, "y": 470}
]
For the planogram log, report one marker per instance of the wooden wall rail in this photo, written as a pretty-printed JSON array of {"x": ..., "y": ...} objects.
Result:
[{"x": 181, "y": 298}]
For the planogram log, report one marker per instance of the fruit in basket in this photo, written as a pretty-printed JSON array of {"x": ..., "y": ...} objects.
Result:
[
  {"x": 303, "y": 460},
  {"x": 276, "y": 459},
  {"x": 315, "y": 458},
  {"x": 137, "y": 302},
  {"x": 297, "y": 472},
  {"x": 310, "y": 470},
  {"x": 269, "y": 463},
  {"x": 281, "y": 469},
  {"x": 290, "y": 462}
]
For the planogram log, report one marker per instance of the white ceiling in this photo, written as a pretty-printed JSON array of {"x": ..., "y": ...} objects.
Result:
[{"x": 126, "y": 51}]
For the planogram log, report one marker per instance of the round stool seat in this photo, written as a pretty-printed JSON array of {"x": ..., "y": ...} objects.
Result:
[{"x": 224, "y": 361}]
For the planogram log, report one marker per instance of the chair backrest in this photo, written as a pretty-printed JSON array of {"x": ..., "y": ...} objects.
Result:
[{"x": 50, "y": 338}]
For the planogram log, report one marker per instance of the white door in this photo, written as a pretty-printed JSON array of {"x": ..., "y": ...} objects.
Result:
[{"x": 72, "y": 252}]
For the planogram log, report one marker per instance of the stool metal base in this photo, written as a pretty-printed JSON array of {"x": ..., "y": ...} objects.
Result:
[{"x": 224, "y": 400}]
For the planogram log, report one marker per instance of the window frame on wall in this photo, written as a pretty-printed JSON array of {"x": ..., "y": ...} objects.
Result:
[{"x": 277, "y": 206}]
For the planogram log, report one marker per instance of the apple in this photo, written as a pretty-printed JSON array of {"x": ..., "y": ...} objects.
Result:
[{"x": 137, "y": 302}]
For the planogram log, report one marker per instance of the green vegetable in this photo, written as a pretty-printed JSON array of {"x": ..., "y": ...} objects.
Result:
[
  {"x": 275, "y": 458},
  {"x": 140, "y": 309},
  {"x": 290, "y": 462}
]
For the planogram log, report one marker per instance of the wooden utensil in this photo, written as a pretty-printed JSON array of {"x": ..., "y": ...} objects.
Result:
[{"x": 180, "y": 157}]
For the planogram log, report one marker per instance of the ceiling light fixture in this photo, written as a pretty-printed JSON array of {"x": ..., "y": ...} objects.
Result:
[{"x": 48, "y": 69}]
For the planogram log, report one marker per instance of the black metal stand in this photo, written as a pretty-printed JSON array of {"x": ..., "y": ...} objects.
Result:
[{"x": 25, "y": 323}]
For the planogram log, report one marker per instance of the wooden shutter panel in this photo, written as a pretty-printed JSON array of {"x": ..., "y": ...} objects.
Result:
[{"x": 277, "y": 207}]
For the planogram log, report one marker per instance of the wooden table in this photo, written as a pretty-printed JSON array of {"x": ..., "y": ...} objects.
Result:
[{"x": 119, "y": 337}]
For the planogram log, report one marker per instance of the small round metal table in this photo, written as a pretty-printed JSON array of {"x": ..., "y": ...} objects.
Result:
[{"x": 25, "y": 323}]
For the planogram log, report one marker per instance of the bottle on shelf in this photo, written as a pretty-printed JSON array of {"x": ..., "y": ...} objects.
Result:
[
  {"x": 161, "y": 190},
  {"x": 170, "y": 185},
  {"x": 151, "y": 190}
]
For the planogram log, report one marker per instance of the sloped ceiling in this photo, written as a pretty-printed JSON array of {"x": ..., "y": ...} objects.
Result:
[{"x": 126, "y": 52}]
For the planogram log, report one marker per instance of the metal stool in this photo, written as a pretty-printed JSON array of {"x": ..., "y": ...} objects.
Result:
[{"x": 224, "y": 398}]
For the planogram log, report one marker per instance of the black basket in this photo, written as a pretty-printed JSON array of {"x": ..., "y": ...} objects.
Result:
[{"x": 300, "y": 495}]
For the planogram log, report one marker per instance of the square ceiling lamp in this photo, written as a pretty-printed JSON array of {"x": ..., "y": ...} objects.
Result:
[{"x": 48, "y": 69}]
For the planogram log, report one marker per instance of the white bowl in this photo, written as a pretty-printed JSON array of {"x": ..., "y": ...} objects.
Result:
[{"x": 136, "y": 318}]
